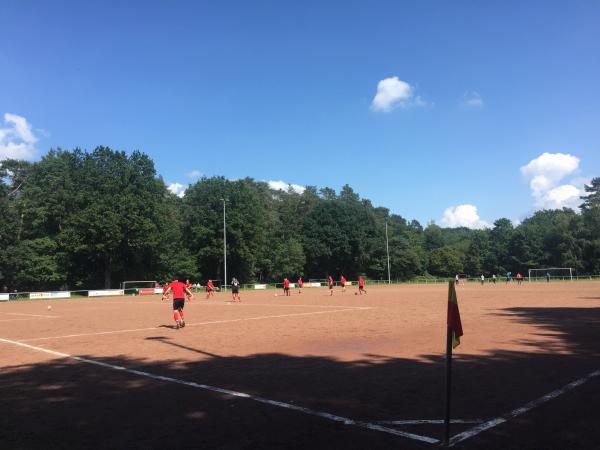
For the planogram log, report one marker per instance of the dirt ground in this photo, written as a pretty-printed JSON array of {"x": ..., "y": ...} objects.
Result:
[{"x": 114, "y": 373}]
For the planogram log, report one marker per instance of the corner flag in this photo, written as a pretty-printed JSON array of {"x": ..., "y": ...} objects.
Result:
[{"x": 454, "y": 315}]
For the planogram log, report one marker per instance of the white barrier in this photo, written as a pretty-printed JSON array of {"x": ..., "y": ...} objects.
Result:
[
  {"x": 292, "y": 285},
  {"x": 158, "y": 290},
  {"x": 106, "y": 292},
  {"x": 54, "y": 294},
  {"x": 260, "y": 286},
  {"x": 3, "y": 297},
  {"x": 313, "y": 284}
]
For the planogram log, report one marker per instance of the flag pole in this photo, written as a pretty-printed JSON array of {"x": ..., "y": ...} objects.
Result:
[{"x": 446, "y": 439}]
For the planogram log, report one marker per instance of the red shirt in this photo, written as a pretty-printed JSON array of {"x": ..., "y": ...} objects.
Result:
[
  {"x": 286, "y": 283},
  {"x": 209, "y": 284},
  {"x": 166, "y": 288},
  {"x": 299, "y": 281},
  {"x": 343, "y": 279},
  {"x": 361, "y": 282},
  {"x": 330, "y": 281},
  {"x": 178, "y": 289}
]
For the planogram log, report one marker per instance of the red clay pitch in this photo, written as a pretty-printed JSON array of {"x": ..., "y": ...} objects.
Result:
[{"x": 374, "y": 358}]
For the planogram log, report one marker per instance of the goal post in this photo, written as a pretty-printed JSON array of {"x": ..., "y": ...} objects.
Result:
[
  {"x": 138, "y": 284},
  {"x": 547, "y": 273}
]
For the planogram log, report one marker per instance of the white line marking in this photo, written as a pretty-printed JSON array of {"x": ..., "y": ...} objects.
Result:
[
  {"x": 224, "y": 303},
  {"x": 522, "y": 410},
  {"x": 21, "y": 318},
  {"x": 427, "y": 421},
  {"x": 32, "y": 315},
  {"x": 312, "y": 412},
  {"x": 212, "y": 322}
]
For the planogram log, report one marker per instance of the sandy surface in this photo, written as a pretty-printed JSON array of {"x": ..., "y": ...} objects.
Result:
[{"x": 376, "y": 357}]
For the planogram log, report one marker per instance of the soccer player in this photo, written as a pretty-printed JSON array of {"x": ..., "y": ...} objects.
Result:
[
  {"x": 547, "y": 277},
  {"x": 494, "y": 278},
  {"x": 482, "y": 279},
  {"x": 330, "y": 286},
  {"x": 180, "y": 292},
  {"x": 235, "y": 289},
  {"x": 456, "y": 279},
  {"x": 519, "y": 278},
  {"x": 300, "y": 285},
  {"x": 165, "y": 294},
  {"x": 361, "y": 286},
  {"x": 210, "y": 289},
  {"x": 286, "y": 287},
  {"x": 343, "y": 283}
]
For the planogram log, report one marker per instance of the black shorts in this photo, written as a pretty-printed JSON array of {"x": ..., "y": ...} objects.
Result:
[
  {"x": 286, "y": 289},
  {"x": 178, "y": 303},
  {"x": 331, "y": 286},
  {"x": 235, "y": 289},
  {"x": 361, "y": 288}
]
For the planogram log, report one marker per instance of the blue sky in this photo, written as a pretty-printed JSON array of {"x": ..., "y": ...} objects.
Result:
[{"x": 492, "y": 105}]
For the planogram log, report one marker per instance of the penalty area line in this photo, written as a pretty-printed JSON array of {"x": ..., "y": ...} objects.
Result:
[
  {"x": 206, "y": 387},
  {"x": 522, "y": 410},
  {"x": 197, "y": 324}
]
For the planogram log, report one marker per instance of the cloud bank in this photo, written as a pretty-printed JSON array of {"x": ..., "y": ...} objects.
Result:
[
  {"x": 546, "y": 172},
  {"x": 17, "y": 140},
  {"x": 463, "y": 216},
  {"x": 393, "y": 92},
  {"x": 283, "y": 186},
  {"x": 177, "y": 188},
  {"x": 472, "y": 99}
]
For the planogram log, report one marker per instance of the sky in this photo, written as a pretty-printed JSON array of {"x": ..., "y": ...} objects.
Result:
[{"x": 458, "y": 112}]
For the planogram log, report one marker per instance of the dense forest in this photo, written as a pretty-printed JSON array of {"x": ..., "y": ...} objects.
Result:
[{"x": 88, "y": 220}]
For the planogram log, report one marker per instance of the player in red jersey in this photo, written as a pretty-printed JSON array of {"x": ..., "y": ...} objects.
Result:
[
  {"x": 286, "y": 287},
  {"x": 180, "y": 292},
  {"x": 361, "y": 286},
  {"x": 210, "y": 289},
  {"x": 343, "y": 283},
  {"x": 330, "y": 285},
  {"x": 188, "y": 285},
  {"x": 300, "y": 285}
]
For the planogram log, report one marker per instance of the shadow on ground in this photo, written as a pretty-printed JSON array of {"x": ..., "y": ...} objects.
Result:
[{"x": 69, "y": 404}]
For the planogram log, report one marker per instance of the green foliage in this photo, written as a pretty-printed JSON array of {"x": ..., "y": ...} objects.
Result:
[{"x": 78, "y": 219}]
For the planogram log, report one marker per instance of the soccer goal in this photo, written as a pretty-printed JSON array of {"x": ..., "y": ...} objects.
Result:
[
  {"x": 138, "y": 284},
  {"x": 548, "y": 273}
]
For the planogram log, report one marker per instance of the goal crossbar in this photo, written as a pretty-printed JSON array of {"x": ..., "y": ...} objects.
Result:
[{"x": 551, "y": 272}]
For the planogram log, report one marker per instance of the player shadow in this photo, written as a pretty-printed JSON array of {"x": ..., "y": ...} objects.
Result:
[
  {"x": 167, "y": 340},
  {"x": 168, "y": 403}
]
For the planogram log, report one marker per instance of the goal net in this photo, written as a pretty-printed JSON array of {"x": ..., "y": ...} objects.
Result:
[
  {"x": 138, "y": 284},
  {"x": 551, "y": 273}
]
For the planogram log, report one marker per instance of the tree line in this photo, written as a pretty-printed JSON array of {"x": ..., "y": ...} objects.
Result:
[{"x": 79, "y": 220}]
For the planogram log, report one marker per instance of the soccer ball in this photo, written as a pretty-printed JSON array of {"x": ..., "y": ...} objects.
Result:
[{"x": 49, "y": 307}]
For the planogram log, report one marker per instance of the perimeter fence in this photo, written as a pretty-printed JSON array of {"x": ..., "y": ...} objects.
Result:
[{"x": 312, "y": 283}]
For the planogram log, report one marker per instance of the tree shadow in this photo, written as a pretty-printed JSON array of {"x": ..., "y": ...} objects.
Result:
[{"x": 64, "y": 403}]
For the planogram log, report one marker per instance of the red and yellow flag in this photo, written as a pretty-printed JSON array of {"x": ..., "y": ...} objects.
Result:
[{"x": 454, "y": 315}]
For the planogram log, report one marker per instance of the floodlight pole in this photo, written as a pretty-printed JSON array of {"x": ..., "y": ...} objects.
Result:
[
  {"x": 224, "y": 245},
  {"x": 387, "y": 248}
]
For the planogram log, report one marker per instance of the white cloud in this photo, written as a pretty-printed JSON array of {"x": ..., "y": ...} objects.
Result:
[
  {"x": 566, "y": 195},
  {"x": 546, "y": 173},
  {"x": 194, "y": 174},
  {"x": 177, "y": 188},
  {"x": 283, "y": 186},
  {"x": 17, "y": 141},
  {"x": 392, "y": 92},
  {"x": 463, "y": 216},
  {"x": 472, "y": 99}
]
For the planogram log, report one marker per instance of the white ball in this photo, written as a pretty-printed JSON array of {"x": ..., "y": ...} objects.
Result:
[{"x": 49, "y": 307}]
